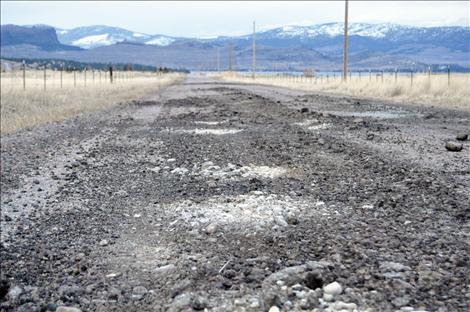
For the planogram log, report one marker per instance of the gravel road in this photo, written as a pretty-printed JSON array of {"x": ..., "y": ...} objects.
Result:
[{"x": 217, "y": 196}]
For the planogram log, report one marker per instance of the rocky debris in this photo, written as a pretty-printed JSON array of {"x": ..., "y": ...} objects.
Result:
[
  {"x": 165, "y": 270},
  {"x": 139, "y": 292},
  {"x": 333, "y": 289},
  {"x": 274, "y": 309},
  {"x": 358, "y": 206},
  {"x": 304, "y": 110},
  {"x": 14, "y": 293},
  {"x": 393, "y": 266},
  {"x": 279, "y": 220},
  {"x": 67, "y": 309},
  {"x": 211, "y": 228},
  {"x": 454, "y": 146},
  {"x": 182, "y": 302},
  {"x": 199, "y": 303},
  {"x": 462, "y": 137},
  {"x": 103, "y": 242}
]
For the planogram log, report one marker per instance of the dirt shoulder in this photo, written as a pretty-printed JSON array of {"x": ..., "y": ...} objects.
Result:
[{"x": 228, "y": 197}]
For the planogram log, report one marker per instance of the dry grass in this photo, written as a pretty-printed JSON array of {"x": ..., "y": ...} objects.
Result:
[
  {"x": 425, "y": 90},
  {"x": 23, "y": 108}
]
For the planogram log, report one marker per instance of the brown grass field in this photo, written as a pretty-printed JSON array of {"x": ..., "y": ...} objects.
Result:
[
  {"x": 425, "y": 90},
  {"x": 31, "y": 106}
]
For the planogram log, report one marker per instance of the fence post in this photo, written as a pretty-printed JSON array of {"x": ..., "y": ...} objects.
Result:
[
  {"x": 382, "y": 76},
  {"x": 396, "y": 71},
  {"x": 24, "y": 75},
  {"x": 370, "y": 75},
  {"x": 411, "y": 77},
  {"x": 61, "y": 73},
  {"x": 111, "y": 74},
  {"x": 44, "y": 77},
  {"x": 84, "y": 76},
  {"x": 74, "y": 78},
  {"x": 93, "y": 74}
]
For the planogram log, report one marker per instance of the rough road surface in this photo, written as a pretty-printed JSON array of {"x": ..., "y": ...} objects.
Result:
[{"x": 226, "y": 197}]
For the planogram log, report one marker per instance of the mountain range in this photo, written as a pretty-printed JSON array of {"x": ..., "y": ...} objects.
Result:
[{"x": 375, "y": 46}]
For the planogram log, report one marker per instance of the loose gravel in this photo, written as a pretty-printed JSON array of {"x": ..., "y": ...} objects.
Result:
[{"x": 224, "y": 197}]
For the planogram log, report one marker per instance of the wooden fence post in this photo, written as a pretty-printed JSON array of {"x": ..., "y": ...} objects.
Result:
[
  {"x": 74, "y": 78},
  {"x": 411, "y": 78},
  {"x": 61, "y": 73},
  {"x": 84, "y": 76}
]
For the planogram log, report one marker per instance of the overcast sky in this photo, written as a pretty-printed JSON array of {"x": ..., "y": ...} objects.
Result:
[{"x": 200, "y": 18}]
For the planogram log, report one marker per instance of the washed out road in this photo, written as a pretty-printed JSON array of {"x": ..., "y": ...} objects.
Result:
[{"x": 230, "y": 197}]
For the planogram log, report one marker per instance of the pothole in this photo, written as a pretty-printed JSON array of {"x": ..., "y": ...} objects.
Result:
[
  {"x": 220, "y": 131},
  {"x": 234, "y": 172},
  {"x": 373, "y": 114},
  {"x": 209, "y": 123},
  {"x": 312, "y": 125},
  {"x": 257, "y": 208}
]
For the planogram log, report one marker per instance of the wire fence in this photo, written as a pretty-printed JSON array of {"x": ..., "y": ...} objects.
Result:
[{"x": 47, "y": 79}]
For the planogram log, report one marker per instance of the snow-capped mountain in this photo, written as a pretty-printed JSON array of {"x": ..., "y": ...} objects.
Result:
[
  {"x": 336, "y": 29},
  {"x": 97, "y": 36}
]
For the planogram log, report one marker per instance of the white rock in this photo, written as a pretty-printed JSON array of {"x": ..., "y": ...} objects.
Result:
[
  {"x": 274, "y": 309},
  {"x": 103, "y": 242},
  {"x": 279, "y": 220},
  {"x": 165, "y": 270},
  {"x": 211, "y": 228},
  {"x": 137, "y": 215},
  {"x": 333, "y": 289},
  {"x": 345, "y": 306},
  {"x": 111, "y": 275},
  {"x": 328, "y": 297},
  {"x": 181, "y": 170},
  {"x": 170, "y": 160},
  {"x": 156, "y": 169},
  {"x": 393, "y": 266},
  {"x": 14, "y": 292}
]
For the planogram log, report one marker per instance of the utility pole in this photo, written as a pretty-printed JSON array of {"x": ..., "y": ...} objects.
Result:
[
  {"x": 230, "y": 58},
  {"x": 218, "y": 59},
  {"x": 254, "y": 50},
  {"x": 345, "y": 60}
]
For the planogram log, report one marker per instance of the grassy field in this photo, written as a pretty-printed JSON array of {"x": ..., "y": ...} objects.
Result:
[
  {"x": 79, "y": 93},
  {"x": 423, "y": 90}
]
